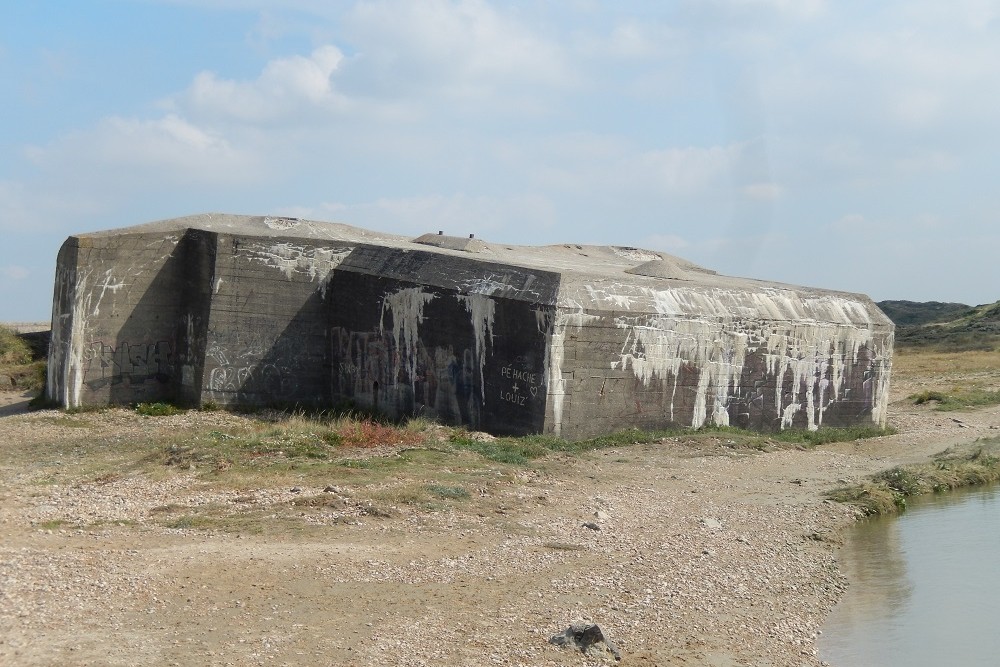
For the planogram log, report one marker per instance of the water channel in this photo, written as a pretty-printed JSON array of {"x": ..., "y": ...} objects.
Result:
[{"x": 924, "y": 587}]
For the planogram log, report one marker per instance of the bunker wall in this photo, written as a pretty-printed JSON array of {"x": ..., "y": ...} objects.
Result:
[
  {"x": 453, "y": 339},
  {"x": 118, "y": 318},
  {"x": 267, "y": 337},
  {"x": 614, "y": 370}
]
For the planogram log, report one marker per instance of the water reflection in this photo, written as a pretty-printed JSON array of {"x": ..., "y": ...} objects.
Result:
[{"x": 924, "y": 587}]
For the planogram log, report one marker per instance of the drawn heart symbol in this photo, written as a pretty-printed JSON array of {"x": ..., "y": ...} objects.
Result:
[{"x": 534, "y": 391}]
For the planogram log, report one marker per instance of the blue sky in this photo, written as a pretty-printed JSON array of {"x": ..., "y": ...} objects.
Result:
[{"x": 846, "y": 145}]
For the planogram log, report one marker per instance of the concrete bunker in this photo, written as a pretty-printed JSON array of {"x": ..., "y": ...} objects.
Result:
[{"x": 567, "y": 340}]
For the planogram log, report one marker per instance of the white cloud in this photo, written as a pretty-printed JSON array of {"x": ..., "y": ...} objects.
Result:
[
  {"x": 288, "y": 87},
  {"x": 605, "y": 164},
  {"x": 633, "y": 40},
  {"x": 466, "y": 49},
  {"x": 129, "y": 150}
]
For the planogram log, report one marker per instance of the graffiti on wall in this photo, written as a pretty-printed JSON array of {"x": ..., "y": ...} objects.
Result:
[
  {"x": 406, "y": 377},
  {"x": 127, "y": 362},
  {"x": 253, "y": 359},
  {"x": 520, "y": 384}
]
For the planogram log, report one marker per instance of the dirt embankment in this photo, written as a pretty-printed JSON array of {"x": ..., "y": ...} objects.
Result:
[{"x": 691, "y": 556}]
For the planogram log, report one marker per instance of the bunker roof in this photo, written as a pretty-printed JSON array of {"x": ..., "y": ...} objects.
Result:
[{"x": 616, "y": 278}]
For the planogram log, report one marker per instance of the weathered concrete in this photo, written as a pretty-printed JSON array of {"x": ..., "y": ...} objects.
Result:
[{"x": 569, "y": 340}]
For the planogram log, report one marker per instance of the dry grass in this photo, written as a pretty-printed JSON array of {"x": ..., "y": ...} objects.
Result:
[
  {"x": 948, "y": 380},
  {"x": 910, "y": 363}
]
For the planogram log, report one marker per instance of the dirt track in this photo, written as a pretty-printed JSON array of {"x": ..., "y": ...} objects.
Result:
[{"x": 712, "y": 556}]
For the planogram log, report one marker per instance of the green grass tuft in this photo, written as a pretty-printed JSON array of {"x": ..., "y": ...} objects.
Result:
[
  {"x": 448, "y": 492},
  {"x": 157, "y": 409}
]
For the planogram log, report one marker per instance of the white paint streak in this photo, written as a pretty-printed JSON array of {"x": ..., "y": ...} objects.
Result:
[
  {"x": 290, "y": 259},
  {"x": 564, "y": 319},
  {"x": 407, "y": 309},
  {"x": 610, "y": 297},
  {"x": 812, "y": 340},
  {"x": 104, "y": 287},
  {"x": 499, "y": 284},
  {"x": 482, "y": 310},
  {"x": 73, "y": 370}
]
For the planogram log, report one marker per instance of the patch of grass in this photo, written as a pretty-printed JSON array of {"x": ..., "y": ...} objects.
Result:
[
  {"x": 158, "y": 409},
  {"x": 255, "y": 522},
  {"x": 82, "y": 409},
  {"x": 888, "y": 491},
  {"x": 514, "y": 451},
  {"x": 826, "y": 435},
  {"x": 19, "y": 363},
  {"x": 520, "y": 451},
  {"x": 66, "y": 421},
  {"x": 14, "y": 351},
  {"x": 448, "y": 492},
  {"x": 959, "y": 399}
]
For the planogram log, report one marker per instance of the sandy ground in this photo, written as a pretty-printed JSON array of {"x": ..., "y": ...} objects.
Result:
[{"x": 708, "y": 556}]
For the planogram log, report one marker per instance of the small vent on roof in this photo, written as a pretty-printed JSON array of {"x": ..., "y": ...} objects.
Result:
[{"x": 439, "y": 240}]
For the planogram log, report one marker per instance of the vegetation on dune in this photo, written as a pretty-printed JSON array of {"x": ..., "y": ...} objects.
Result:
[
  {"x": 957, "y": 399},
  {"x": 917, "y": 313},
  {"x": 944, "y": 327},
  {"x": 888, "y": 491},
  {"x": 13, "y": 349},
  {"x": 19, "y": 363}
]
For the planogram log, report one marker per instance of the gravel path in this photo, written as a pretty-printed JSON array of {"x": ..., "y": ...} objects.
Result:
[{"x": 710, "y": 556}]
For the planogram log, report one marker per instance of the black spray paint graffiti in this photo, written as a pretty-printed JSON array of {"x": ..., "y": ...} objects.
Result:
[
  {"x": 128, "y": 362},
  {"x": 436, "y": 381}
]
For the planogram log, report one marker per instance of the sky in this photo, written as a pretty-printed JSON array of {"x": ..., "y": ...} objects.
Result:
[{"x": 848, "y": 145}]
